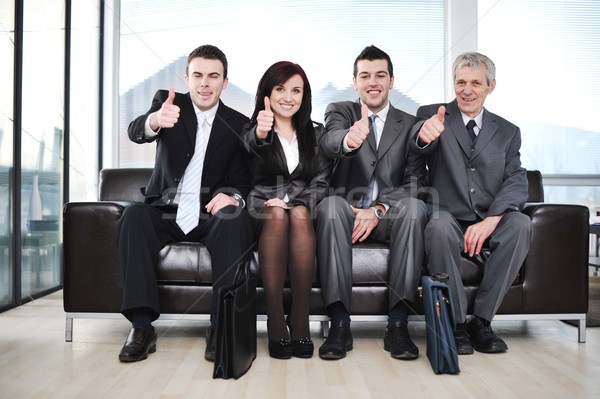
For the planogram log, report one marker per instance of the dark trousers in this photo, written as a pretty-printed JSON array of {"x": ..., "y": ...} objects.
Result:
[{"x": 143, "y": 230}]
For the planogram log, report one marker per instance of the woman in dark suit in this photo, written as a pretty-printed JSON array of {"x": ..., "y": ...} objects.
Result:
[{"x": 289, "y": 177}]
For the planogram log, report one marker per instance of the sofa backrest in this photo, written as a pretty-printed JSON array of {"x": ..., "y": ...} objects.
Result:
[
  {"x": 124, "y": 184},
  {"x": 535, "y": 187}
]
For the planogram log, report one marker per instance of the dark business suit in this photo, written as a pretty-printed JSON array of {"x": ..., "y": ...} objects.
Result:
[
  {"x": 399, "y": 174},
  {"x": 470, "y": 184},
  {"x": 144, "y": 229},
  {"x": 268, "y": 183}
]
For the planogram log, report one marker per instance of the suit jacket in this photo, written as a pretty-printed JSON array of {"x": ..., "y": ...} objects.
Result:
[
  {"x": 225, "y": 167},
  {"x": 487, "y": 181},
  {"x": 267, "y": 184},
  {"x": 399, "y": 171}
]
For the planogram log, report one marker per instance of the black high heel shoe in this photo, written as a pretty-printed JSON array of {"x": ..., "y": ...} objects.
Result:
[
  {"x": 281, "y": 349},
  {"x": 304, "y": 347}
]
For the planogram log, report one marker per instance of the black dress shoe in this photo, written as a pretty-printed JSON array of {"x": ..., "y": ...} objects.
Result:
[
  {"x": 303, "y": 348},
  {"x": 211, "y": 349},
  {"x": 338, "y": 342},
  {"x": 281, "y": 349},
  {"x": 461, "y": 339},
  {"x": 397, "y": 341},
  {"x": 483, "y": 338},
  {"x": 140, "y": 342}
]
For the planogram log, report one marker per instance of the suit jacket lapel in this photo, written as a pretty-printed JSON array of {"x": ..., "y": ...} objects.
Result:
[
  {"x": 458, "y": 128},
  {"x": 391, "y": 131},
  {"x": 217, "y": 133},
  {"x": 189, "y": 119},
  {"x": 487, "y": 132}
]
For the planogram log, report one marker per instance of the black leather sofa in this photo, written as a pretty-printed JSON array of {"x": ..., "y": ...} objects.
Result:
[{"x": 552, "y": 283}]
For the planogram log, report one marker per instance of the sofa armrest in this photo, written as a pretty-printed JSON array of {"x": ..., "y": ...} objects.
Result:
[
  {"x": 92, "y": 279},
  {"x": 555, "y": 272}
]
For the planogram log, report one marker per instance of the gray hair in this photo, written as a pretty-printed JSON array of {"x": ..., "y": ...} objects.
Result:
[{"x": 475, "y": 60}]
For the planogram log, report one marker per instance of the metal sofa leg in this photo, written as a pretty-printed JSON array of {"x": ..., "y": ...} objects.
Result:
[
  {"x": 325, "y": 327},
  {"x": 69, "y": 330},
  {"x": 581, "y": 330}
]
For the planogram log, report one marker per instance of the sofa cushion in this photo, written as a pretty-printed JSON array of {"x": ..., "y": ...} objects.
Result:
[{"x": 189, "y": 263}]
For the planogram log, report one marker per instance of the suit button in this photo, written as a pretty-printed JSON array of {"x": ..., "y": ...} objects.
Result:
[
  {"x": 188, "y": 155},
  {"x": 472, "y": 191},
  {"x": 176, "y": 179},
  {"x": 472, "y": 169},
  {"x": 373, "y": 163}
]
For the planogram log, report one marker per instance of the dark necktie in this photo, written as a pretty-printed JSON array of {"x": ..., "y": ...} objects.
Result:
[
  {"x": 471, "y": 128},
  {"x": 368, "y": 196}
]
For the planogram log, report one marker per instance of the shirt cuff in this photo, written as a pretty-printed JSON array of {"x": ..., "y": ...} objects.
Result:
[
  {"x": 148, "y": 132},
  {"x": 421, "y": 146},
  {"x": 345, "y": 144}
]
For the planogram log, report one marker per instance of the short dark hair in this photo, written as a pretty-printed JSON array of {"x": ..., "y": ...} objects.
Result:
[
  {"x": 209, "y": 52},
  {"x": 372, "y": 53}
]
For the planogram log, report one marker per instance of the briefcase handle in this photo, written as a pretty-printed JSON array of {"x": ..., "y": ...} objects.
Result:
[{"x": 440, "y": 277}]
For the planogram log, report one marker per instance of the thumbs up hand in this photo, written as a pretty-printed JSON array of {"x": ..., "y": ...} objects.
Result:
[
  {"x": 360, "y": 130},
  {"x": 433, "y": 127},
  {"x": 264, "y": 121},
  {"x": 168, "y": 114}
]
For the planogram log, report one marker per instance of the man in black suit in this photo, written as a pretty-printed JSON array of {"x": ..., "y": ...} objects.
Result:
[
  {"x": 375, "y": 179},
  {"x": 195, "y": 194},
  {"x": 475, "y": 168}
]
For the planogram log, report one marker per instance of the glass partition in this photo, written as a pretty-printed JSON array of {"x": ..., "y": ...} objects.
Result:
[
  {"x": 7, "y": 49},
  {"x": 41, "y": 139}
]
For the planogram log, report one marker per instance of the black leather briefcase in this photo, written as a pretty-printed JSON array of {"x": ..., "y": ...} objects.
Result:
[{"x": 235, "y": 338}]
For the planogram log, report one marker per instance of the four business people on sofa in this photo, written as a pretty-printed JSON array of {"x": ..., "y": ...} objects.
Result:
[{"x": 374, "y": 158}]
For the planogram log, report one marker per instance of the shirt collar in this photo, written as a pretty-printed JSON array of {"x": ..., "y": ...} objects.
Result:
[
  {"x": 383, "y": 113},
  {"x": 478, "y": 119},
  {"x": 209, "y": 115}
]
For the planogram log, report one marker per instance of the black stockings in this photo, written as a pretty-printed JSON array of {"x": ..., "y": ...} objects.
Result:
[{"x": 287, "y": 241}]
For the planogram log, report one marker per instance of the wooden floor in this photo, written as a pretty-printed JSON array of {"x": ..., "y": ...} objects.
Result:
[{"x": 544, "y": 360}]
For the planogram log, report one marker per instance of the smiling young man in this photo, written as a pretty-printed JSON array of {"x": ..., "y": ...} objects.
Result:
[
  {"x": 195, "y": 193},
  {"x": 374, "y": 183},
  {"x": 474, "y": 165}
]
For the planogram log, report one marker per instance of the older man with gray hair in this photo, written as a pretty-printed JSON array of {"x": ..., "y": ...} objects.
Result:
[{"x": 474, "y": 166}]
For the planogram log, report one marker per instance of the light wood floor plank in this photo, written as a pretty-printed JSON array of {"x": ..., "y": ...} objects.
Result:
[{"x": 544, "y": 360}]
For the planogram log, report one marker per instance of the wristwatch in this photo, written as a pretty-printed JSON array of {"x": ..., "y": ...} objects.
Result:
[
  {"x": 378, "y": 212},
  {"x": 239, "y": 199}
]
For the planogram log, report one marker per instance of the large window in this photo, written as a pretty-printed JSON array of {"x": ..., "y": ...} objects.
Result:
[
  {"x": 323, "y": 37},
  {"x": 547, "y": 54},
  {"x": 548, "y": 59}
]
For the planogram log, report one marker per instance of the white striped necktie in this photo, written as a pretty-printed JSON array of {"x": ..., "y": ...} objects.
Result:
[{"x": 188, "y": 212}]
